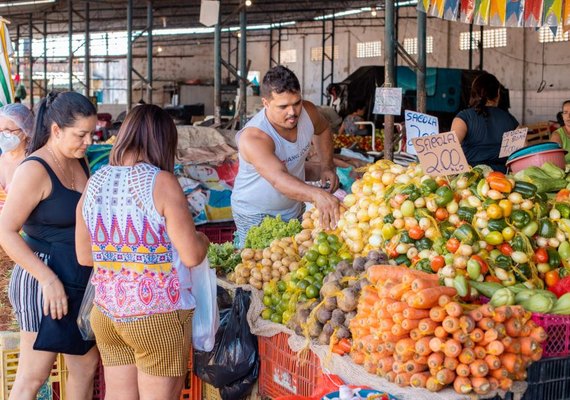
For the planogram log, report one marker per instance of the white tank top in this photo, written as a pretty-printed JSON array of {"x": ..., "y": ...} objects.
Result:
[{"x": 253, "y": 194}]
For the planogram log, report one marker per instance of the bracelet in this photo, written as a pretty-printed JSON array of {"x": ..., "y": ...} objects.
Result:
[{"x": 49, "y": 283}]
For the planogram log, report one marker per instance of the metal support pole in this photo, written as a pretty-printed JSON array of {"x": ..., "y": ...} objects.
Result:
[
  {"x": 149, "y": 19},
  {"x": 87, "y": 52},
  {"x": 421, "y": 73},
  {"x": 31, "y": 33},
  {"x": 279, "y": 46},
  {"x": 323, "y": 56},
  {"x": 18, "y": 49},
  {"x": 129, "y": 54},
  {"x": 70, "y": 36},
  {"x": 389, "y": 68},
  {"x": 243, "y": 66},
  {"x": 481, "y": 50},
  {"x": 470, "y": 46},
  {"x": 45, "y": 59},
  {"x": 218, "y": 73}
]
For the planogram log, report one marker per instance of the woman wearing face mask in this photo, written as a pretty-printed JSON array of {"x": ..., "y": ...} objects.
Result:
[
  {"x": 47, "y": 279},
  {"x": 16, "y": 125}
]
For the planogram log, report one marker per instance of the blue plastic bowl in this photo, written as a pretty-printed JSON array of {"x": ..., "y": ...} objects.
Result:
[
  {"x": 362, "y": 393},
  {"x": 535, "y": 148}
]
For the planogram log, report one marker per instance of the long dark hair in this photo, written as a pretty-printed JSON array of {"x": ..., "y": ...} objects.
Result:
[
  {"x": 61, "y": 108},
  {"x": 484, "y": 88},
  {"x": 148, "y": 133}
]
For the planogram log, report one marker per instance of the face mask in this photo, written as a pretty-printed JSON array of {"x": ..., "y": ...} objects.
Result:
[{"x": 9, "y": 142}]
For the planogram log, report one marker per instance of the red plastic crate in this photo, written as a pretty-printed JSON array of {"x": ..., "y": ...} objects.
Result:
[
  {"x": 218, "y": 233},
  {"x": 284, "y": 372},
  {"x": 557, "y": 328}
]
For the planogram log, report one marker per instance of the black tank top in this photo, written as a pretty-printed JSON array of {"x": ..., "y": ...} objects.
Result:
[{"x": 53, "y": 219}]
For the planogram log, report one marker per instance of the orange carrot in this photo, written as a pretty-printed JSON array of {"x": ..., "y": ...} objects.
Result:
[
  {"x": 418, "y": 380},
  {"x": 387, "y": 337},
  {"x": 422, "y": 346},
  {"x": 462, "y": 370},
  {"x": 450, "y": 324},
  {"x": 505, "y": 383},
  {"x": 386, "y": 324},
  {"x": 487, "y": 310},
  {"x": 433, "y": 385},
  {"x": 383, "y": 313},
  {"x": 495, "y": 348},
  {"x": 357, "y": 357},
  {"x": 419, "y": 284},
  {"x": 501, "y": 330},
  {"x": 507, "y": 311},
  {"x": 403, "y": 379},
  {"x": 397, "y": 307},
  {"x": 409, "y": 324},
  {"x": 462, "y": 385},
  {"x": 453, "y": 309},
  {"x": 480, "y": 352},
  {"x": 427, "y": 326},
  {"x": 511, "y": 362},
  {"x": 443, "y": 300},
  {"x": 538, "y": 333},
  {"x": 390, "y": 346},
  {"x": 414, "y": 313},
  {"x": 537, "y": 355},
  {"x": 492, "y": 361},
  {"x": 477, "y": 335},
  {"x": 480, "y": 385},
  {"x": 407, "y": 294},
  {"x": 435, "y": 360},
  {"x": 411, "y": 275},
  {"x": 398, "y": 330},
  {"x": 427, "y": 298},
  {"x": 445, "y": 376},
  {"x": 513, "y": 327},
  {"x": 440, "y": 332},
  {"x": 476, "y": 314},
  {"x": 385, "y": 302},
  {"x": 385, "y": 364},
  {"x": 405, "y": 346},
  {"x": 467, "y": 356},
  {"x": 479, "y": 368},
  {"x": 493, "y": 383},
  {"x": 398, "y": 290},
  {"x": 415, "y": 334},
  {"x": 437, "y": 314},
  {"x": 460, "y": 336},
  {"x": 420, "y": 359},
  {"x": 527, "y": 328},
  {"x": 397, "y": 366},
  {"x": 436, "y": 344},
  {"x": 450, "y": 363},
  {"x": 469, "y": 344},
  {"x": 413, "y": 367},
  {"x": 514, "y": 347},
  {"x": 377, "y": 273},
  {"x": 528, "y": 345},
  {"x": 486, "y": 323},
  {"x": 499, "y": 373},
  {"x": 398, "y": 317},
  {"x": 369, "y": 295},
  {"x": 391, "y": 375},
  {"x": 466, "y": 323},
  {"x": 452, "y": 348}
]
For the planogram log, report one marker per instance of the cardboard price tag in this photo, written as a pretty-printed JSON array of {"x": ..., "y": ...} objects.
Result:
[
  {"x": 441, "y": 154},
  {"x": 388, "y": 101},
  {"x": 512, "y": 141},
  {"x": 418, "y": 125}
]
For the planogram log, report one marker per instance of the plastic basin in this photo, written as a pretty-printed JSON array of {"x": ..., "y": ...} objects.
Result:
[{"x": 556, "y": 157}]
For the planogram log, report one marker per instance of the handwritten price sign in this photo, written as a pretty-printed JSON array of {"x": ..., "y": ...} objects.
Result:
[
  {"x": 418, "y": 125},
  {"x": 512, "y": 141},
  {"x": 388, "y": 101},
  {"x": 441, "y": 154}
]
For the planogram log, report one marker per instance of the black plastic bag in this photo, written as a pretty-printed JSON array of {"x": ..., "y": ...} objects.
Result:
[
  {"x": 242, "y": 387},
  {"x": 235, "y": 353}
]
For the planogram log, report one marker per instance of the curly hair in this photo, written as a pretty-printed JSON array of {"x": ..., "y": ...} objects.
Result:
[{"x": 279, "y": 79}]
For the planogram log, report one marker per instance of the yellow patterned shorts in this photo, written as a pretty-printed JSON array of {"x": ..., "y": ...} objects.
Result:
[{"x": 158, "y": 345}]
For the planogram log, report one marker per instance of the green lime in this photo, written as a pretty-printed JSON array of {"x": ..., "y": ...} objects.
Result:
[
  {"x": 292, "y": 284},
  {"x": 324, "y": 249},
  {"x": 301, "y": 273},
  {"x": 275, "y": 299},
  {"x": 266, "y": 314},
  {"x": 281, "y": 286},
  {"x": 275, "y": 317},
  {"x": 312, "y": 292},
  {"x": 322, "y": 261},
  {"x": 345, "y": 255},
  {"x": 314, "y": 268},
  {"x": 303, "y": 284},
  {"x": 281, "y": 307},
  {"x": 322, "y": 236},
  {"x": 334, "y": 260},
  {"x": 286, "y": 316},
  {"x": 335, "y": 247},
  {"x": 332, "y": 239},
  {"x": 286, "y": 296},
  {"x": 318, "y": 277},
  {"x": 310, "y": 279},
  {"x": 303, "y": 298},
  {"x": 267, "y": 301},
  {"x": 311, "y": 255}
]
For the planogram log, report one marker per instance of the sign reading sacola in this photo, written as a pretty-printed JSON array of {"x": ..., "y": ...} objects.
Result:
[{"x": 441, "y": 154}]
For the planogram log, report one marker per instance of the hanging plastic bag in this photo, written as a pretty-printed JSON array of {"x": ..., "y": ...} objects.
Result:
[
  {"x": 235, "y": 354},
  {"x": 206, "y": 319},
  {"x": 83, "y": 319}
]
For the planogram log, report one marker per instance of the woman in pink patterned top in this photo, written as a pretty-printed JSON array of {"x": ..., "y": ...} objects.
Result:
[{"x": 135, "y": 228}]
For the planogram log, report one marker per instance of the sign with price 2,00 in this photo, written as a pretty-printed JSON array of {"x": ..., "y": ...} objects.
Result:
[{"x": 441, "y": 154}]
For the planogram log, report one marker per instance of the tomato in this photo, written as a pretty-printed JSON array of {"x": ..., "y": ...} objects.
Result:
[
  {"x": 491, "y": 278},
  {"x": 441, "y": 214},
  {"x": 437, "y": 263},
  {"x": 482, "y": 263},
  {"x": 505, "y": 248},
  {"x": 452, "y": 245},
  {"x": 541, "y": 255},
  {"x": 494, "y": 211},
  {"x": 551, "y": 278},
  {"x": 506, "y": 206},
  {"x": 416, "y": 232}
]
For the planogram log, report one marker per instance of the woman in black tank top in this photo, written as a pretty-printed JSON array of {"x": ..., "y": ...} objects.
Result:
[{"x": 43, "y": 197}]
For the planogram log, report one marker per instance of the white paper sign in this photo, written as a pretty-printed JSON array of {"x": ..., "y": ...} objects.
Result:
[
  {"x": 418, "y": 125},
  {"x": 388, "y": 101},
  {"x": 512, "y": 141},
  {"x": 209, "y": 10}
]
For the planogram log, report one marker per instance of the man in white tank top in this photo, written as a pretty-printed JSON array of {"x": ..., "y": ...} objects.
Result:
[{"x": 273, "y": 147}]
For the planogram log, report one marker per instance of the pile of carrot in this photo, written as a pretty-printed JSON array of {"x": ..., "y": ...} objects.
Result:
[{"x": 411, "y": 331}]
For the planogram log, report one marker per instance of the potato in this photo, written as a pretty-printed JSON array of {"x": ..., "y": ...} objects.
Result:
[
  {"x": 293, "y": 266},
  {"x": 276, "y": 256},
  {"x": 277, "y": 264},
  {"x": 241, "y": 281},
  {"x": 266, "y": 253},
  {"x": 290, "y": 251},
  {"x": 245, "y": 272},
  {"x": 258, "y": 255},
  {"x": 302, "y": 249},
  {"x": 307, "y": 243},
  {"x": 287, "y": 240},
  {"x": 266, "y": 277},
  {"x": 255, "y": 283},
  {"x": 307, "y": 224},
  {"x": 286, "y": 261},
  {"x": 283, "y": 270},
  {"x": 275, "y": 273},
  {"x": 247, "y": 254},
  {"x": 266, "y": 270},
  {"x": 303, "y": 236},
  {"x": 266, "y": 262},
  {"x": 276, "y": 249},
  {"x": 256, "y": 274}
]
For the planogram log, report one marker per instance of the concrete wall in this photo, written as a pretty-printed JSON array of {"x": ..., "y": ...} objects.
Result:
[{"x": 508, "y": 63}]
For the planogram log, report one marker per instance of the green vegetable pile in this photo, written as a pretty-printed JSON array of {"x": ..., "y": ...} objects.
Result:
[
  {"x": 260, "y": 237},
  {"x": 223, "y": 256}
]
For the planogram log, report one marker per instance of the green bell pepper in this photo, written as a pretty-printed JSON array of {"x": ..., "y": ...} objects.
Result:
[
  {"x": 443, "y": 195},
  {"x": 466, "y": 214},
  {"x": 389, "y": 219},
  {"x": 405, "y": 237},
  {"x": 446, "y": 228},
  {"x": 424, "y": 265},
  {"x": 564, "y": 250},
  {"x": 503, "y": 261},
  {"x": 428, "y": 187},
  {"x": 518, "y": 244},
  {"x": 466, "y": 234},
  {"x": 546, "y": 228},
  {"x": 554, "y": 259},
  {"x": 497, "y": 224},
  {"x": 530, "y": 229},
  {"x": 523, "y": 272},
  {"x": 402, "y": 259},
  {"x": 520, "y": 218},
  {"x": 439, "y": 245},
  {"x": 412, "y": 192},
  {"x": 419, "y": 213},
  {"x": 564, "y": 210},
  {"x": 424, "y": 244},
  {"x": 526, "y": 189}
]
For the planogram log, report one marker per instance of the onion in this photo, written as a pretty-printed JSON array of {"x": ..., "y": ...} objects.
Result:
[
  {"x": 519, "y": 257},
  {"x": 465, "y": 250},
  {"x": 461, "y": 183},
  {"x": 425, "y": 223},
  {"x": 555, "y": 214},
  {"x": 515, "y": 198},
  {"x": 397, "y": 214},
  {"x": 426, "y": 254},
  {"x": 448, "y": 271},
  {"x": 388, "y": 178},
  {"x": 420, "y": 202},
  {"x": 398, "y": 223},
  {"x": 412, "y": 252},
  {"x": 362, "y": 215},
  {"x": 560, "y": 236},
  {"x": 474, "y": 201},
  {"x": 452, "y": 207},
  {"x": 527, "y": 204},
  {"x": 402, "y": 248},
  {"x": 459, "y": 262},
  {"x": 541, "y": 242},
  {"x": 349, "y": 200},
  {"x": 410, "y": 222},
  {"x": 495, "y": 195},
  {"x": 454, "y": 219},
  {"x": 403, "y": 179},
  {"x": 431, "y": 233},
  {"x": 480, "y": 223},
  {"x": 372, "y": 210},
  {"x": 375, "y": 241},
  {"x": 553, "y": 242},
  {"x": 431, "y": 205},
  {"x": 351, "y": 218}
]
